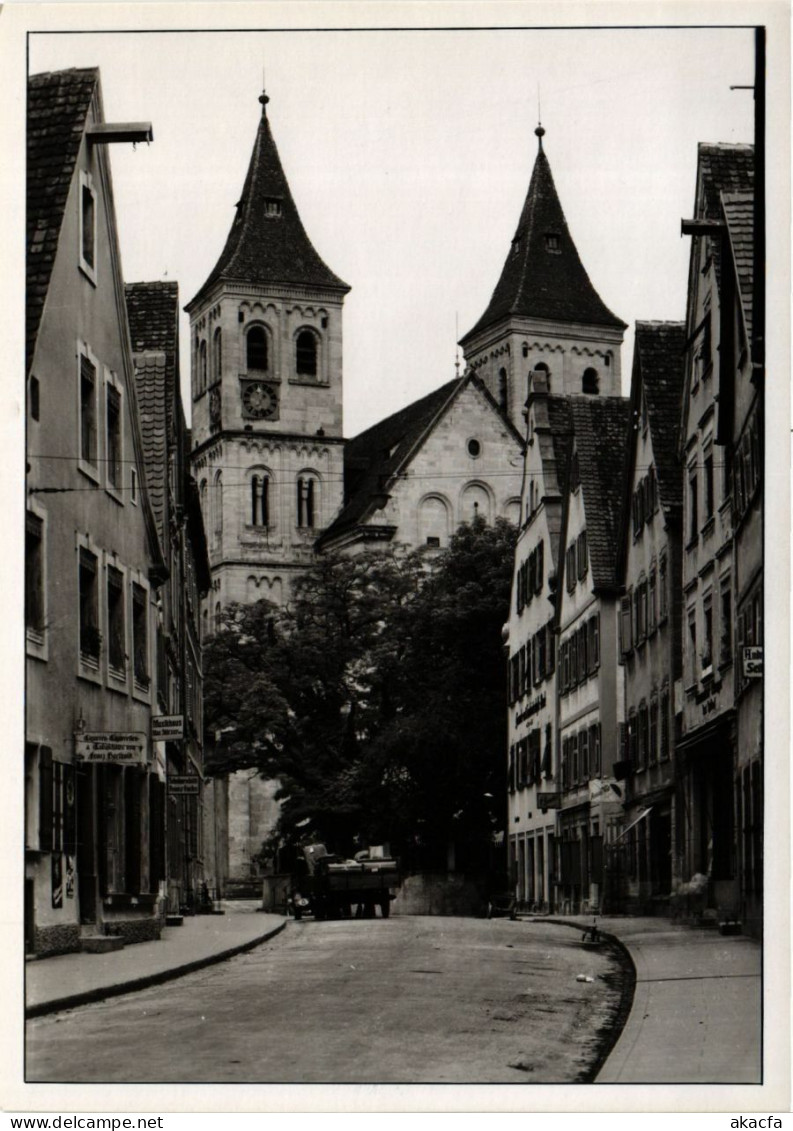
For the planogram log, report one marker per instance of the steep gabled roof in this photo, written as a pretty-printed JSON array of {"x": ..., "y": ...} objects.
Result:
[
  {"x": 739, "y": 214},
  {"x": 372, "y": 458},
  {"x": 266, "y": 248},
  {"x": 539, "y": 280},
  {"x": 153, "y": 311},
  {"x": 150, "y": 380},
  {"x": 375, "y": 457},
  {"x": 723, "y": 167},
  {"x": 658, "y": 353},
  {"x": 601, "y": 440},
  {"x": 58, "y": 104},
  {"x": 560, "y": 420}
]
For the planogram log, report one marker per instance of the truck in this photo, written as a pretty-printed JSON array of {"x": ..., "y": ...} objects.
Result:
[{"x": 329, "y": 887}]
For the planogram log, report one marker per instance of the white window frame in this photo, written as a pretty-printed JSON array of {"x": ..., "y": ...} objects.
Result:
[
  {"x": 116, "y": 680},
  {"x": 88, "y": 671},
  {"x": 93, "y": 473},
  {"x": 87, "y": 182},
  {"x": 111, "y": 381},
  {"x": 37, "y": 643},
  {"x": 143, "y": 694}
]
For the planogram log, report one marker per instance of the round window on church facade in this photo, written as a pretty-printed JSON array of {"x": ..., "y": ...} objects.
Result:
[{"x": 474, "y": 448}]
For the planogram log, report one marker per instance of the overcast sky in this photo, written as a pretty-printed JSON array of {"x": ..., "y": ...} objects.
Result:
[{"x": 409, "y": 154}]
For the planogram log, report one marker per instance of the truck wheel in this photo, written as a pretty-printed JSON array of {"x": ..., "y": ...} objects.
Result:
[{"x": 385, "y": 908}]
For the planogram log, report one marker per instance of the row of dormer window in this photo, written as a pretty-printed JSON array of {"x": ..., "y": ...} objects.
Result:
[
  {"x": 576, "y": 564},
  {"x": 581, "y": 756},
  {"x": 579, "y": 655},
  {"x": 644, "y": 503},
  {"x": 643, "y": 608},
  {"x": 644, "y": 738},
  {"x": 529, "y": 578},
  {"x": 528, "y": 763},
  {"x": 532, "y": 664}
]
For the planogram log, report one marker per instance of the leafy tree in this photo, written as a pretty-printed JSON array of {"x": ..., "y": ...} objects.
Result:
[{"x": 376, "y": 697}]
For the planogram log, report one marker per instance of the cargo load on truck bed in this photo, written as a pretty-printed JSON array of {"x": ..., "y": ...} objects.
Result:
[{"x": 331, "y": 887}]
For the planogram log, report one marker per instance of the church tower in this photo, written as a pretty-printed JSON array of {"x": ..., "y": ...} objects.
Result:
[
  {"x": 266, "y": 346},
  {"x": 544, "y": 315}
]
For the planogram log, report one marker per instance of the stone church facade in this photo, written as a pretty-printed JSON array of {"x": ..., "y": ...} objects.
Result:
[{"x": 277, "y": 480}]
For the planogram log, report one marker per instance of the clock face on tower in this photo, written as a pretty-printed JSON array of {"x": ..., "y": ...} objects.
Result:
[{"x": 259, "y": 401}]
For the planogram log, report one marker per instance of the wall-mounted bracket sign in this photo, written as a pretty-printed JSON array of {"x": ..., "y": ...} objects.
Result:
[
  {"x": 167, "y": 727},
  {"x": 184, "y": 784},
  {"x": 753, "y": 663},
  {"x": 118, "y": 747}
]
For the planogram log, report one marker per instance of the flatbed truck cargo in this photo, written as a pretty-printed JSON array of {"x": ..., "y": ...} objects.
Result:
[{"x": 329, "y": 887}]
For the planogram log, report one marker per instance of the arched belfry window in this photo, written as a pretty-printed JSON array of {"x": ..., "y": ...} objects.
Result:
[
  {"x": 217, "y": 368},
  {"x": 590, "y": 383},
  {"x": 503, "y": 389},
  {"x": 306, "y": 354},
  {"x": 202, "y": 367},
  {"x": 307, "y": 501},
  {"x": 256, "y": 348},
  {"x": 218, "y": 508},
  {"x": 542, "y": 369},
  {"x": 260, "y": 500}
]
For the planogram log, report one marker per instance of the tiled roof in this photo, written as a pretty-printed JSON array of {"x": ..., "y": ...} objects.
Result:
[
  {"x": 601, "y": 440},
  {"x": 560, "y": 420},
  {"x": 374, "y": 456},
  {"x": 153, "y": 312},
  {"x": 150, "y": 380},
  {"x": 659, "y": 350},
  {"x": 723, "y": 168},
  {"x": 265, "y": 249},
  {"x": 739, "y": 214},
  {"x": 58, "y": 104},
  {"x": 538, "y": 282}
]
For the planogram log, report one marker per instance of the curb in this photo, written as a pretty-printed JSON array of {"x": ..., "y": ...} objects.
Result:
[
  {"x": 86, "y": 997},
  {"x": 626, "y": 995}
]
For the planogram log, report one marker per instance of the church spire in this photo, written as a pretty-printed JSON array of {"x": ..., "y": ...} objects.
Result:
[
  {"x": 267, "y": 243},
  {"x": 543, "y": 276}
]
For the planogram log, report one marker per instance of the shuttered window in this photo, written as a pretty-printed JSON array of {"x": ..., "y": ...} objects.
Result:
[
  {"x": 116, "y": 624},
  {"x": 34, "y": 573},
  {"x": 140, "y": 636},
  {"x": 626, "y": 636},
  {"x": 88, "y": 429}
]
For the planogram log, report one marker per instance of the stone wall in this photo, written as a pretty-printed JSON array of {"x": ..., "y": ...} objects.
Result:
[
  {"x": 439, "y": 893},
  {"x": 62, "y": 939},
  {"x": 134, "y": 930}
]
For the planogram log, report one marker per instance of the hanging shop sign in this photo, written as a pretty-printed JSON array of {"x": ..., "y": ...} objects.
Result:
[
  {"x": 184, "y": 784},
  {"x": 753, "y": 663},
  {"x": 166, "y": 727},
  {"x": 119, "y": 747}
]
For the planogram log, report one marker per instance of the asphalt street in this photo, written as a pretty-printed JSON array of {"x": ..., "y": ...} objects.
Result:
[{"x": 403, "y": 1000}]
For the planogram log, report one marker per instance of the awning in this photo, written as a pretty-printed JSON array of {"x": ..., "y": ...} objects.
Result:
[{"x": 633, "y": 824}]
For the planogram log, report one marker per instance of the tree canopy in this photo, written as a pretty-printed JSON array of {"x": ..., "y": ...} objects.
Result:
[{"x": 376, "y": 697}]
